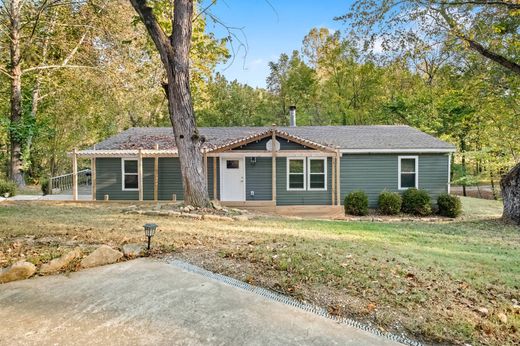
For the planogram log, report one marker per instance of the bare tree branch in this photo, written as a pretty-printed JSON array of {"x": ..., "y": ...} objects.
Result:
[{"x": 47, "y": 67}]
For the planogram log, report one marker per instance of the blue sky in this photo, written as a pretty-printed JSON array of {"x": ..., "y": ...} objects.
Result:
[{"x": 271, "y": 28}]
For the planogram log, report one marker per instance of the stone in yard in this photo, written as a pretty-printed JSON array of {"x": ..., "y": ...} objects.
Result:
[
  {"x": 216, "y": 205},
  {"x": 132, "y": 250},
  {"x": 502, "y": 317},
  {"x": 483, "y": 311},
  {"x": 101, "y": 256},
  {"x": 18, "y": 271},
  {"x": 60, "y": 263}
]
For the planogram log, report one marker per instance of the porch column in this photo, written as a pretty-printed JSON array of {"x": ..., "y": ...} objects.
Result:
[
  {"x": 215, "y": 178},
  {"x": 338, "y": 176},
  {"x": 156, "y": 175},
  {"x": 206, "y": 168},
  {"x": 333, "y": 180},
  {"x": 140, "y": 173},
  {"x": 273, "y": 166},
  {"x": 93, "y": 177},
  {"x": 75, "y": 174}
]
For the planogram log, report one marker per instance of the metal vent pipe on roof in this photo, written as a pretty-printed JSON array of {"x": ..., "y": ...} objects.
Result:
[{"x": 292, "y": 116}]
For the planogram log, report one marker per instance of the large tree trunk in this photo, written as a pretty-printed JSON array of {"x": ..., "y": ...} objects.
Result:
[
  {"x": 16, "y": 164},
  {"x": 174, "y": 52},
  {"x": 510, "y": 185}
]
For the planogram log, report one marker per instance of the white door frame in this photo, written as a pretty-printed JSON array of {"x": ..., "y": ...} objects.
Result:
[{"x": 242, "y": 164}]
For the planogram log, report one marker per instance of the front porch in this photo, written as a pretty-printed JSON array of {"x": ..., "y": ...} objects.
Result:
[{"x": 263, "y": 171}]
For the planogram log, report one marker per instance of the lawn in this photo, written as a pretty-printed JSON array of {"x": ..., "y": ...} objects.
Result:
[{"x": 427, "y": 280}]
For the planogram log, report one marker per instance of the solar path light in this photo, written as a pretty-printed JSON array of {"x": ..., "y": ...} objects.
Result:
[{"x": 149, "y": 231}]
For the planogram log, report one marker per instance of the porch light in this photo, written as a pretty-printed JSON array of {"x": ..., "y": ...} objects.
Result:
[{"x": 149, "y": 231}]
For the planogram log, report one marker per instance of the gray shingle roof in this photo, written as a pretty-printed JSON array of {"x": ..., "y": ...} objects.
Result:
[{"x": 377, "y": 137}]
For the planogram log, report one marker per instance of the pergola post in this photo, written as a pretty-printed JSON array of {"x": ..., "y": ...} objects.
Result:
[
  {"x": 333, "y": 180},
  {"x": 215, "y": 178},
  {"x": 273, "y": 165},
  {"x": 140, "y": 173},
  {"x": 93, "y": 177},
  {"x": 75, "y": 174},
  {"x": 338, "y": 180}
]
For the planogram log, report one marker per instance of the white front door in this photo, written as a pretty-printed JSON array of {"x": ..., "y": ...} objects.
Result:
[{"x": 232, "y": 178}]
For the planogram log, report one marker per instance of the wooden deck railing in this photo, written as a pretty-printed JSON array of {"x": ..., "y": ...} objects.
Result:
[{"x": 64, "y": 182}]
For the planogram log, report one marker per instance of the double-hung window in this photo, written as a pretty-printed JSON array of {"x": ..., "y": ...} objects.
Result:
[
  {"x": 296, "y": 169},
  {"x": 130, "y": 175},
  {"x": 408, "y": 172},
  {"x": 317, "y": 173},
  {"x": 306, "y": 173}
]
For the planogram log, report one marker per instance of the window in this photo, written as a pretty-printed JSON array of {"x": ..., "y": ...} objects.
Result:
[
  {"x": 317, "y": 174},
  {"x": 130, "y": 175},
  {"x": 232, "y": 164},
  {"x": 408, "y": 172},
  {"x": 295, "y": 174}
]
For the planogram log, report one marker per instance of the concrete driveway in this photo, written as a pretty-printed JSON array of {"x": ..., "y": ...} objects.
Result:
[{"x": 146, "y": 302}]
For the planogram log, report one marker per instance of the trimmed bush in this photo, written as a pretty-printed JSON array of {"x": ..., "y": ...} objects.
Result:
[
  {"x": 389, "y": 203},
  {"x": 356, "y": 203},
  {"x": 44, "y": 184},
  {"x": 449, "y": 205},
  {"x": 7, "y": 187},
  {"x": 416, "y": 202}
]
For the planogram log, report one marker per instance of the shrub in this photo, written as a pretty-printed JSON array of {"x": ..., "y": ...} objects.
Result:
[
  {"x": 44, "y": 184},
  {"x": 416, "y": 202},
  {"x": 7, "y": 187},
  {"x": 356, "y": 203},
  {"x": 449, "y": 205},
  {"x": 389, "y": 203}
]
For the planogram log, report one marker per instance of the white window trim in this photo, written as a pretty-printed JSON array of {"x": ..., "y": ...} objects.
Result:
[
  {"x": 304, "y": 173},
  {"x": 399, "y": 158},
  {"x": 324, "y": 159},
  {"x": 123, "y": 173}
]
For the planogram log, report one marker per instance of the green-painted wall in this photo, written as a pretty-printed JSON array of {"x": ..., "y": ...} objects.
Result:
[
  {"x": 284, "y": 197},
  {"x": 374, "y": 173},
  {"x": 370, "y": 173},
  {"x": 284, "y": 145},
  {"x": 109, "y": 179},
  {"x": 210, "y": 177},
  {"x": 259, "y": 179}
]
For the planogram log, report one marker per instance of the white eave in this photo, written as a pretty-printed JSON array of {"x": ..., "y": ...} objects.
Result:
[
  {"x": 90, "y": 153},
  {"x": 397, "y": 151}
]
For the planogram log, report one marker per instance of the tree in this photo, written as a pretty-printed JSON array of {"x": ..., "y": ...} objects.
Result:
[
  {"x": 489, "y": 28},
  {"x": 174, "y": 52},
  {"x": 510, "y": 185},
  {"x": 29, "y": 26}
]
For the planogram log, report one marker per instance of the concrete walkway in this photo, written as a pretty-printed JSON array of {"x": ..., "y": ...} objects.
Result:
[{"x": 146, "y": 302}]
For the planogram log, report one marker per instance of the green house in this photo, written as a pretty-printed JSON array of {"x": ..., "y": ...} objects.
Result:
[{"x": 273, "y": 166}]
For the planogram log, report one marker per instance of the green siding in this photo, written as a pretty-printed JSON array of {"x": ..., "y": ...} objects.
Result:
[
  {"x": 375, "y": 173},
  {"x": 258, "y": 179},
  {"x": 284, "y": 145},
  {"x": 109, "y": 179},
  {"x": 285, "y": 197},
  {"x": 210, "y": 177}
]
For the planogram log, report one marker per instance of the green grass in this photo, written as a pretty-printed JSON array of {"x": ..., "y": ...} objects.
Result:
[{"x": 422, "y": 278}]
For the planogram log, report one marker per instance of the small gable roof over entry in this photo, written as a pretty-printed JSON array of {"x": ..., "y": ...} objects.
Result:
[{"x": 377, "y": 138}]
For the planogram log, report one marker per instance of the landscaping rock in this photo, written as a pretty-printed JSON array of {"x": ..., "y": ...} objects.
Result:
[
  {"x": 174, "y": 213},
  {"x": 18, "y": 271},
  {"x": 101, "y": 256},
  {"x": 60, "y": 263},
  {"x": 502, "y": 317},
  {"x": 216, "y": 205},
  {"x": 133, "y": 250},
  {"x": 483, "y": 311}
]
